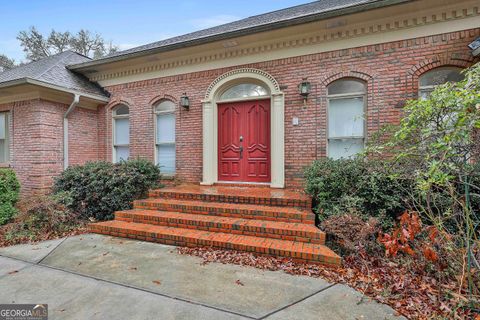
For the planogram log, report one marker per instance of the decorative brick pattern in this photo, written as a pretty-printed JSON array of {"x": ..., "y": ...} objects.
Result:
[{"x": 225, "y": 217}]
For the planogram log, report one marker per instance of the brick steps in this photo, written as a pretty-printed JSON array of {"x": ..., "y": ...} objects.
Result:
[
  {"x": 278, "y": 230},
  {"x": 254, "y": 219},
  {"x": 300, "y": 251},
  {"x": 236, "y": 194},
  {"x": 244, "y": 211}
]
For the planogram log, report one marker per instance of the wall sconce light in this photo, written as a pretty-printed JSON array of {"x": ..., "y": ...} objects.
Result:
[
  {"x": 304, "y": 89},
  {"x": 185, "y": 101}
]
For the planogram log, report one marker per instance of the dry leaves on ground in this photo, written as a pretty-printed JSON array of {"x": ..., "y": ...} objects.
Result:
[{"x": 410, "y": 293}]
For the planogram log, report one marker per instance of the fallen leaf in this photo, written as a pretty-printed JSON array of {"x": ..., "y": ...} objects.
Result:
[
  {"x": 240, "y": 283},
  {"x": 106, "y": 253},
  {"x": 13, "y": 272},
  {"x": 157, "y": 282}
]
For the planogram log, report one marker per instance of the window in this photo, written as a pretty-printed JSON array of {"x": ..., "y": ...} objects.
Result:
[
  {"x": 435, "y": 77},
  {"x": 4, "y": 154},
  {"x": 121, "y": 133},
  {"x": 165, "y": 139},
  {"x": 244, "y": 90},
  {"x": 346, "y": 123}
]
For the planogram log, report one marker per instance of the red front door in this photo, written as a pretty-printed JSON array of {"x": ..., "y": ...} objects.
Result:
[{"x": 244, "y": 141}]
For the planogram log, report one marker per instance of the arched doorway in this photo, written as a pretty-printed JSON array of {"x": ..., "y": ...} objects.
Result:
[{"x": 243, "y": 129}]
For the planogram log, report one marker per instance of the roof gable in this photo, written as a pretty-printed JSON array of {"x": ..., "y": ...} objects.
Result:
[{"x": 53, "y": 70}]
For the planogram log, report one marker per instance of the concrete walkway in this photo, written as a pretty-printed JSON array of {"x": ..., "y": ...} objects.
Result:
[{"x": 99, "y": 277}]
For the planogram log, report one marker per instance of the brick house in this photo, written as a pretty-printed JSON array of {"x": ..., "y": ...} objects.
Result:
[{"x": 225, "y": 104}]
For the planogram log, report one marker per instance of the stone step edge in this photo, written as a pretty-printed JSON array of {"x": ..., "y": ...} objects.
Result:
[
  {"x": 251, "y": 227},
  {"x": 298, "y": 251},
  {"x": 239, "y": 199},
  {"x": 245, "y": 211}
]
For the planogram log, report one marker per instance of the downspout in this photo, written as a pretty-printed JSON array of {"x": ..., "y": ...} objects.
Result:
[{"x": 76, "y": 100}]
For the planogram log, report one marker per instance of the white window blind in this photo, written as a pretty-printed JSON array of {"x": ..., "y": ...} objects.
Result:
[
  {"x": 4, "y": 152},
  {"x": 165, "y": 139},
  {"x": 121, "y": 134},
  {"x": 346, "y": 119}
]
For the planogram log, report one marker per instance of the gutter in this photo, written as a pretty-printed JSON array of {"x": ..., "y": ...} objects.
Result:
[
  {"x": 76, "y": 100},
  {"x": 242, "y": 32}
]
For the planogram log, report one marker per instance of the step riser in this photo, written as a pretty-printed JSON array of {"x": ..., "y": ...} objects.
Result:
[
  {"x": 270, "y": 215},
  {"x": 279, "y": 202},
  {"x": 274, "y": 233},
  {"x": 188, "y": 241}
]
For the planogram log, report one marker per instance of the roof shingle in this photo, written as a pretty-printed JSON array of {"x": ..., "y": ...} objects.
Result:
[
  {"x": 52, "y": 70},
  {"x": 287, "y": 15}
]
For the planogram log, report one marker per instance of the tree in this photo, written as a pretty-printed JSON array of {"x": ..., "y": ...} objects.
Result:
[
  {"x": 6, "y": 63},
  {"x": 436, "y": 147},
  {"x": 37, "y": 46}
]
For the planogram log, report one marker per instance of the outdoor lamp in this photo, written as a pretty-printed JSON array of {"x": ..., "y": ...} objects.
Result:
[
  {"x": 304, "y": 89},
  {"x": 185, "y": 101}
]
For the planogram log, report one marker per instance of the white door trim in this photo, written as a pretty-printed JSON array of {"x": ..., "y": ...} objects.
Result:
[{"x": 210, "y": 123}]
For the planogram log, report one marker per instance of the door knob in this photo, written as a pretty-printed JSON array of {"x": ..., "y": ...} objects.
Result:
[{"x": 241, "y": 138}]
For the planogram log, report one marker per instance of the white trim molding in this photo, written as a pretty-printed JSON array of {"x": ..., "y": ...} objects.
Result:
[
  {"x": 210, "y": 123},
  {"x": 408, "y": 21}
]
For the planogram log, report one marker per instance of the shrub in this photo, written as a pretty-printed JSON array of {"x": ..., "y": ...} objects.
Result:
[
  {"x": 354, "y": 186},
  {"x": 98, "y": 189},
  {"x": 40, "y": 218},
  {"x": 351, "y": 232},
  {"x": 9, "y": 193}
]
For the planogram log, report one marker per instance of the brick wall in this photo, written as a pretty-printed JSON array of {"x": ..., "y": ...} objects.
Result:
[
  {"x": 391, "y": 71},
  {"x": 36, "y": 141},
  {"x": 83, "y": 136}
]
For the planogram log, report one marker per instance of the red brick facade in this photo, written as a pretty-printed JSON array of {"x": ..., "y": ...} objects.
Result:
[
  {"x": 36, "y": 141},
  {"x": 391, "y": 71}
]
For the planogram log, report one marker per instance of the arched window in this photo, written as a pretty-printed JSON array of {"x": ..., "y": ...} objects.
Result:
[
  {"x": 346, "y": 120},
  {"x": 430, "y": 79},
  {"x": 244, "y": 90},
  {"x": 121, "y": 133},
  {"x": 165, "y": 136}
]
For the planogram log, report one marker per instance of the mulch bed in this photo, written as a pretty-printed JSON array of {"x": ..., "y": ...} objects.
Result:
[{"x": 400, "y": 285}]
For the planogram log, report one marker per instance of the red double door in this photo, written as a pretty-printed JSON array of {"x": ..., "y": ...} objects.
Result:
[{"x": 244, "y": 141}]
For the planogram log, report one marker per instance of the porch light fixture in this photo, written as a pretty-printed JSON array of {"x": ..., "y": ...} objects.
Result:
[
  {"x": 185, "y": 101},
  {"x": 304, "y": 89}
]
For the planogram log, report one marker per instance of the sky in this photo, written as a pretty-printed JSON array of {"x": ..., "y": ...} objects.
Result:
[{"x": 127, "y": 23}]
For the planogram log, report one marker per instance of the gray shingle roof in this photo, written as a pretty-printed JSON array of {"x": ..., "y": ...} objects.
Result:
[
  {"x": 280, "y": 18},
  {"x": 52, "y": 70}
]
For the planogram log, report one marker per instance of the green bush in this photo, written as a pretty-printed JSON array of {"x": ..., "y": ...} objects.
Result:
[
  {"x": 354, "y": 186},
  {"x": 98, "y": 189},
  {"x": 9, "y": 193}
]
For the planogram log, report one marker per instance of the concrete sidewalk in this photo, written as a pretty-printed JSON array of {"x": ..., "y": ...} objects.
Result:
[{"x": 99, "y": 277}]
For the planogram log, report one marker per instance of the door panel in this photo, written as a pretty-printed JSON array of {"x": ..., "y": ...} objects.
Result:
[
  {"x": 247, "y": 160},
  {"x": 228, "y": 146}
]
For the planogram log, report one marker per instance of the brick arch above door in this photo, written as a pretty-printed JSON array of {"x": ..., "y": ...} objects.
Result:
[{"x": 210, "y": 123}]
